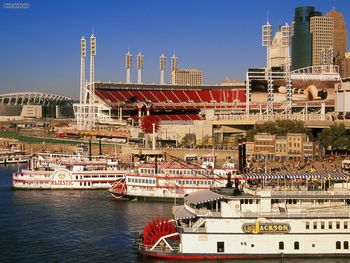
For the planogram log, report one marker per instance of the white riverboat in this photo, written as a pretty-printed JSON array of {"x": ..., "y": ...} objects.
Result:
[
  {"x": 64, "y": 171},
  {"x": 12, "y": 155},
  {"x": 171, "y": 180},
  {"x": 255, "y": 222}
]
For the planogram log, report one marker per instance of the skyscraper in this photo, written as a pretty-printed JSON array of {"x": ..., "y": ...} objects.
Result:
[
  {"x": 321, "y": 29},
  {"x": 302, "y": 37},
  {"x": 340, "y": 43},
  {"x": 340, "y": 33}
]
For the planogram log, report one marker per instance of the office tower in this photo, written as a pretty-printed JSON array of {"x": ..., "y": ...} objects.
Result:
[
  {"x": 321, "y": 28},
  {"x": 190, "y": 77},
  {"x": 340, "y": 43},
  {"x": 302, "y": 37}
]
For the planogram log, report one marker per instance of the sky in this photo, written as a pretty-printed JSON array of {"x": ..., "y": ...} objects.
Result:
[{"x": 40, "y": 44}]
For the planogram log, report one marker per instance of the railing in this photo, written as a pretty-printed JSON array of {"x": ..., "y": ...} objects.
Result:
[{"x": 264, "y": 117}]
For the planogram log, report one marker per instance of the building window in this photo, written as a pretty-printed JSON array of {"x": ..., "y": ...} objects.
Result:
[
  {"x": 322, "y": 225},
  {"x": 307, "y": 225},
  {"x": 296, "y": 245},
  {"x": 345, "y": 224},
  {"x": 330, "y": 225},
  {"x": 346, "y": 245},
  {"x": 220, "y": 246},
  {"x": 315, "y": 225},
  {"x": 337, "y": 225},
  {"x": 338, "y": 245},
  {"x": 281, "y": 245}
]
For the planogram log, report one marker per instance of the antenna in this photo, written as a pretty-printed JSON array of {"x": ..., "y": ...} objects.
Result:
[{"x": 93, "y": 29}]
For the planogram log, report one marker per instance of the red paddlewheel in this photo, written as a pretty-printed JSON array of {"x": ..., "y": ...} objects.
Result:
[
  {"x": 146, "y": 123},
  {"x": 119, "y": 187},
  {"x": 157, "y": 228}
]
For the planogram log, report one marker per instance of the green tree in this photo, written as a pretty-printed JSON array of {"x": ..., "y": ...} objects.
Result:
[
  {"x": 280, "y": 127},
  {"x": 189, "y": 140},
  {"x": 335, "y": 138}
]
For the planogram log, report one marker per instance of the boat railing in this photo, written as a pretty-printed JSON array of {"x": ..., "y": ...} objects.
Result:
[
  {"x": 310, "y": 193},
  {"x": 316, "y": 213},
  {"x": 160, "y": 249}
]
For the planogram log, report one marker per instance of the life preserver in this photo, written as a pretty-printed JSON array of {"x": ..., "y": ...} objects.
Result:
[{"x": 237, "y": 206}]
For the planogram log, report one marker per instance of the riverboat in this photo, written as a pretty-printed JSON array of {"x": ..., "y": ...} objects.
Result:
[
  {"x": 250, "y": 221},
  {"x": 12, "y": 155},
  {"x": 70, "y": 172},
  {"x": 166, "y": 181}
]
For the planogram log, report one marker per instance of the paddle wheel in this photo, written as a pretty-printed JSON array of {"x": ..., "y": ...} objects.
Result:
[
  {"x": 118, "y": 189},
  {"x": 156, "y": 228}
]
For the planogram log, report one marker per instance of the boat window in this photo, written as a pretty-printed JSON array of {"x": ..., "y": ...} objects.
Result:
[
  {"x": 296, "y": 245},
  {"x": 337, "y": 225},
  {"x": 346, "y": 245},
  {"x": 220, "y": 246},
  {"x": 315, "y": 225},
  {"x": 281, "y": 245},
  {"x": 330, "y": 225},
  {"x": 322, "y": 225},
  {"x": 345, "y": 224},
  {"x": 307, "y": 225},
  {"x": 338, "y": 245}
]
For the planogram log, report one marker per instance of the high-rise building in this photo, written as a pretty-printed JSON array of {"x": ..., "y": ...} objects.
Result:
[
  {"x": 321, "y": 29},
  {"x": 340, "y": 43},
  {"x": 340, "y": 33},
  {"x": 278, "y": 51},
  {"x": 191, "y": 77},
  {"x": 302, "y": 37}
]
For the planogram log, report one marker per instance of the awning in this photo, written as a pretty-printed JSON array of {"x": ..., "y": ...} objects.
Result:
[
  {"x": 181, "y": 213},
  {"x": 302, "y": 175},
  {"x": 200, "y": 197}
]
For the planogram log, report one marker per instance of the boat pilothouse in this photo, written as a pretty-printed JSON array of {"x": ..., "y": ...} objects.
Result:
[{"x": 254, "y": 222}]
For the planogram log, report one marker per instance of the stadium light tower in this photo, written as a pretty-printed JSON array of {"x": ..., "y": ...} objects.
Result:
[
  {"x": 162, "y": 68},
  {"x": 82, "y": 69},
  {"x": 139, "y": 67},
  {"x": 128, "y": 65},
  {"x": 174, "y": 61},
  {"x": 266, "y": 42},
  {"x": 80, "y": 108},
  {"x": 286, "y": 34},
  {"x": 91, "y": 118}
]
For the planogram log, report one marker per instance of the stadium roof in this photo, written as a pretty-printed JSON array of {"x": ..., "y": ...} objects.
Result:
[{"x": 25, "y": 98}]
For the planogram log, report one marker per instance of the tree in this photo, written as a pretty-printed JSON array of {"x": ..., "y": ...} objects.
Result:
[
  {"x": 279, "y": 127},
  {"x": 189, "y": 140},
  {"x": 335, "y": 138}
]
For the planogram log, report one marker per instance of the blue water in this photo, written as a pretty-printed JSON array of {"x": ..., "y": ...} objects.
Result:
[{"x": 77, "y": 226}]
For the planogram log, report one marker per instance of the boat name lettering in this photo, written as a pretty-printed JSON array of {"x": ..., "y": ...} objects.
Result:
[
  {"x": 261, "y": 228},
  {"x": 61, "y": 182}
]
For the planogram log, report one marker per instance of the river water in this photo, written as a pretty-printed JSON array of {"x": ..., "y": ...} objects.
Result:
[{"x": 78, "y": 226}]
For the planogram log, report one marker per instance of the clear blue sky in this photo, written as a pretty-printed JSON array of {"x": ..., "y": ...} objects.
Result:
[{"x": 40, "y": 45}]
